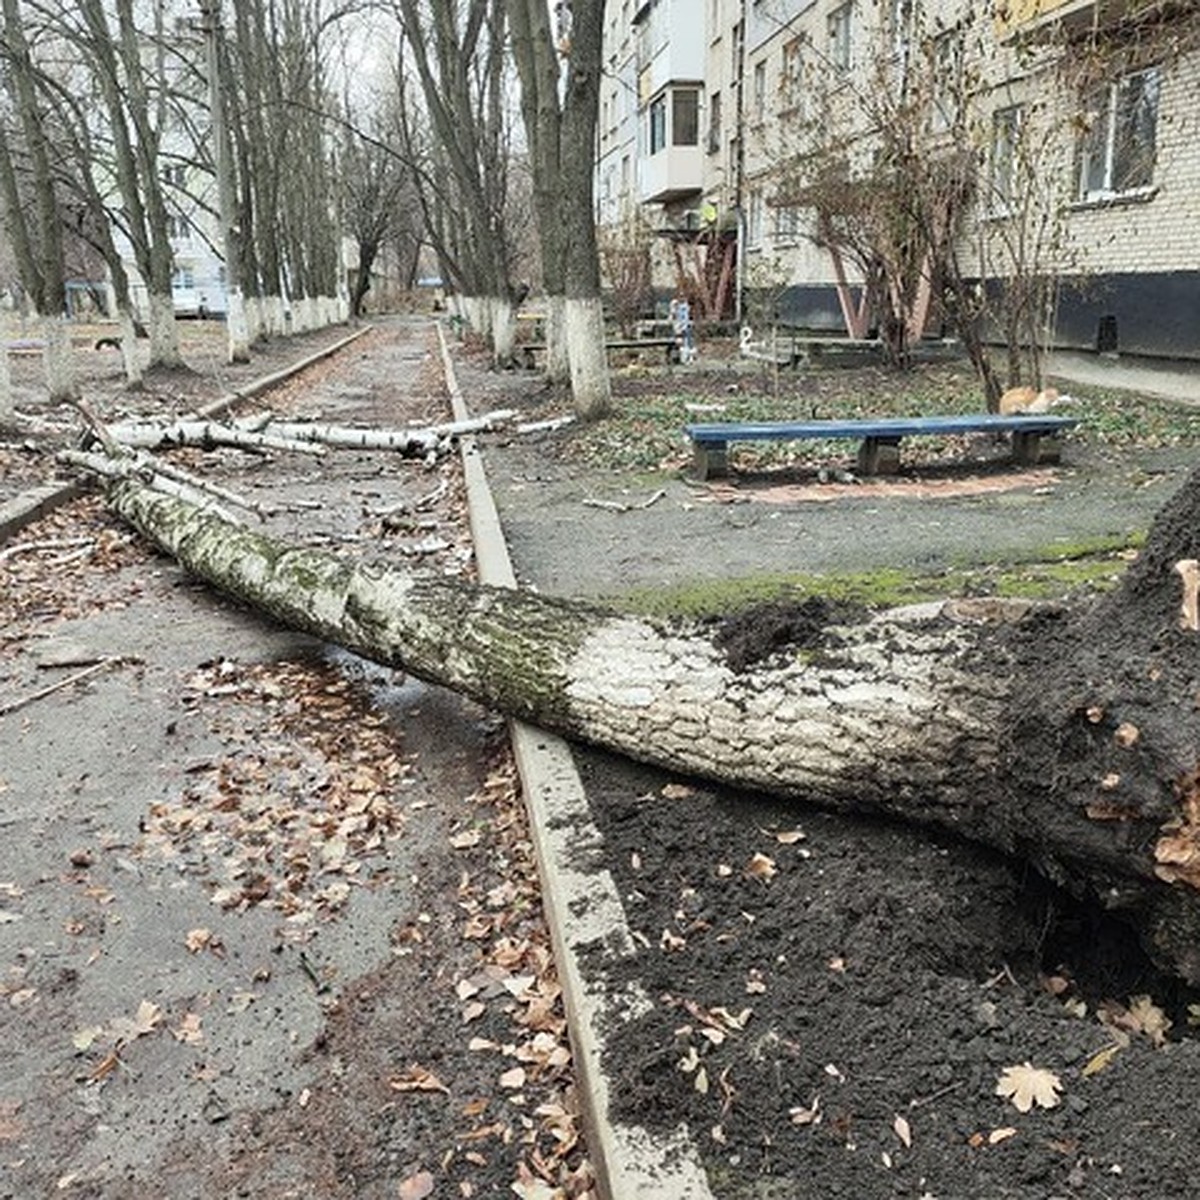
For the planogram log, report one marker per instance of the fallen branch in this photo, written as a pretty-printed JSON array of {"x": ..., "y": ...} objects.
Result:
[
  {"x": 45, "y": 544},
  {"x": 546, "y": 426},
  {"x": 144, "y": 436},
  {"x": 410, "y": 442},
  {"x": 619, "y": 506},
  {"x": 190, "y": 489},
  {"x": 13, "y": 705}
]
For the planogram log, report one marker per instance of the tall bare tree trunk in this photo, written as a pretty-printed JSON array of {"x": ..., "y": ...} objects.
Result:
[
  {"x": 560, "y": 114},
  {"x": 37, "y": 241}
]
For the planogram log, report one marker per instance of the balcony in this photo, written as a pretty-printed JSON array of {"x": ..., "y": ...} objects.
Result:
[
  {"x": 1044, "y": 18},
  {"x": 674, "y": 173}
]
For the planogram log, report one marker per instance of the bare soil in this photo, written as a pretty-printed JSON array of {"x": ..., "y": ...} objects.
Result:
[{"x": 835, "y": 1001}]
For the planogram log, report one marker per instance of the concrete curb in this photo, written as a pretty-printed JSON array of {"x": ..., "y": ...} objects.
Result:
[
  {"x": 583, "y": 907},
  {"x": 36, "y": 503},
  {"x": 265, "y": 382}
]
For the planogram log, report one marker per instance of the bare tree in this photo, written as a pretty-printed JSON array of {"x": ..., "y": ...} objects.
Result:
[
  {"x": 30, "y": 201},
  {"x": 560, "y": 72},
  {"x": 896, "y": 165},
  {"x": 458, "y": 52},
  {"x": 135, "y": 101}
]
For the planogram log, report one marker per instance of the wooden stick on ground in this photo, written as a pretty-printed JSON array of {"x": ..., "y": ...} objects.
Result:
[{"x": 70, "y": 680}]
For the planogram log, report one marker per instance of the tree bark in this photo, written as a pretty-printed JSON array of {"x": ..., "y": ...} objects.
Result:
[{"x": 1069, "y": 739}]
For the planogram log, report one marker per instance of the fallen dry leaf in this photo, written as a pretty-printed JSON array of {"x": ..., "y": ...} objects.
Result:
[
  {"x": 513, "y": 1078},
  {"x": 1100, "y": 1060},
  {"x": 807, "y": 1116},
  {"x": 1001, "y": 1135},
  {"x": 144, "y": 1021},
  {"x": 197, "y": 939},
  {"x": 761, "y": 867},
  {"x": 11, "y": 1127},
  {"x": 677, "y": 791},
  {"x": 1027, "y": 1085},
  {"x": 902, "y": 1130},
  {"x": 789, "y": 837},
  {"x": 82, "y": 1039},
  {"x": 1146, "y": 1017},
  {"x": 417, "y": 1187},
  {"x": 189, "y": 1030},
  {"x": 417, "y": 1079}
]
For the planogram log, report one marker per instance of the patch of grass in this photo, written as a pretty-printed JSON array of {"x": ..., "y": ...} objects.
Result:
[{"x": 1053, "y": 578}]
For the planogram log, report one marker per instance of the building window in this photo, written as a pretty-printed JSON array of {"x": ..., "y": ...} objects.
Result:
[
  {"x": 714, "y": 122},
  {"x": 787, "y": 223},
  {"x": 792, "y": 74},
  {"x": 839, "y": 37},
  {"x": 754, "y": 220},
  {"x": 685, "y": 117},
  {"x": 947, "y": 63},
  {"x": 900, "y": 24},
  {"x": 760, "y": 90},
  {"x": 183, "y": 277},
  {"x": 1121, "y": 120},
  {"x": 1006, "y": 141},
  {"x": 658, "y": 124},
  {"x": 179, "y": 228}
]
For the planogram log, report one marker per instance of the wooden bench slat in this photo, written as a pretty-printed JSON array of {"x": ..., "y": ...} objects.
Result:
[{"x": 881, "y": 427}]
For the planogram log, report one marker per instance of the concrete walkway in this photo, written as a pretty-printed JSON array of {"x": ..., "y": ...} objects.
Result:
[{"x": 1168, "y": 379}]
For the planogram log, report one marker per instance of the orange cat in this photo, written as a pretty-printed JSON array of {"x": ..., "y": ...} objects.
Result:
[{"x": 1026, "y": 400}]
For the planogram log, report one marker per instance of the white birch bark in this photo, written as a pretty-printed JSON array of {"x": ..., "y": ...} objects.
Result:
[
  {"x": 909, "y": 718},
  {"x": 59, "y": 359},
  {"x": 237, "y": 327},
  {"x": 205, "y": 433},
  {"x": 583, "y": 323},
  {"x": 131, "y": 356},
  {"x": 8, "y": 411}
]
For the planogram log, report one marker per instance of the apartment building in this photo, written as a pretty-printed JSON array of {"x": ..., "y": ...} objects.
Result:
[{"x": 1076, "y": 121}]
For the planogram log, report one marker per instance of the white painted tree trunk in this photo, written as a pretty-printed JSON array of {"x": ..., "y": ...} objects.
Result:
[
  {"x": 59, "y": 359},
  {"x": 164, "y": 333},
  {"x": 8, "y": 411},
  {"x": 475, "y": 310},
  {"x": 237, "y": 327},
  {"x": 131, "y": 355},
  {"x": 504, "y": 328},
  {"x": 558, "y": 361},
  {"x": 583, "y": 322}
]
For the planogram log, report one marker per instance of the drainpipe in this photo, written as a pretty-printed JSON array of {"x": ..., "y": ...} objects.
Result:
[{"x": 739, "y": 173}]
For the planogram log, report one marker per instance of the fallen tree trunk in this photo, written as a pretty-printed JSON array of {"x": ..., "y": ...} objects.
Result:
[{"x": 1069, "y": 739}]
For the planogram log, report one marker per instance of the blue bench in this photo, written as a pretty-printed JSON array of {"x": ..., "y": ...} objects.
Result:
[{"x": 1035, "y": 437}]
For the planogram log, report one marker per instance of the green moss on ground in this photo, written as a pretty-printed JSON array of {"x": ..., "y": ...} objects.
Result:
[{"x": 1054, "y": 574}]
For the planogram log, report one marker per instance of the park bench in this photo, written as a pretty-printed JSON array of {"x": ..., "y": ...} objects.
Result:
[
  {"x": 1035, "y": 437},
  {"x": 530, "y": 350},
  {"x": 808, "y": 348}
]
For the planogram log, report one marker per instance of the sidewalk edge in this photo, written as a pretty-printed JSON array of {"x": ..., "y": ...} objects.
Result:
[{"x": 582, "y": 906}]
